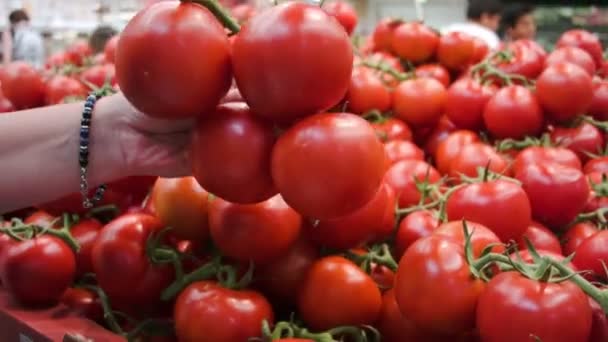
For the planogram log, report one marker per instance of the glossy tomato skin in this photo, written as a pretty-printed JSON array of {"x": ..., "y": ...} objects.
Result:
[
  {"x": 367, "y": 92},
  {"x": 98, "y": 75},
  {"x": 466, "y": 99},
  {"x": 599, "y": 165},
  {"x": 475, "y": 156},
  {"x": 576, "y": 235},
  {"x": 528, "y": 59},
  {"x": 359, "y": 227},
  {"x": 337, "y": 292},
  {"x": 436, "y": 71},
  {"x": 85, "y": 232},
  {"x": 514, "y": 112},
  {"x": 481, "y": 236},
  {"x": 419, "y": 102},
  {"x": 540, "y": 155},
  {"x": 202, "y": 310},
  {"x": 449, "y": 149},
  {"x": 183, "y": 79},
  {"x": 599, "y": 104},
  {"x": 584, "y": 40},
  {"x": 55, "y": 60},
  {"x": 60, "y": 88},
  {"x": 22, "y": 85},
  {"x": 312, "y": 164},
  {"x": 392, "y": 129},
  {"x": 281, "y": 278},
  {"x": 383, "y": 34},
  {"x": 398, "y": 150},
  {"x": 183, "y": 205},
  {"x": 434, "y": 270},
  {"x": 599, "y": 326},
  {"x": 412, "y": 228},
  {"x": 557, "y": 193},
  {"x": 122, "y": 267},
  {"x": 109, "y": 50},
  {"x": 541, "y": 237},
  {"x": 582, "y": 139},
  {"x": 591, "y": 254},
  {"x": 393, "y": 326},
  {"x": 280, "y": 53},
  {"x": 344, "y": 13},
  {"x": 36, "y": 272},
  {"x": 500, "y": 205},
  {"x": 402, "y": 177},
  {"x": 231, "y": 151},
  {"x": 564, "y": 90},
  {"x": 574, "y": 55},
  {"x": 41, "y": 218},
  {"x": 456, "y": 50},
  {"x": 78, "y": 52},
  {"x": 414, "y": 42},
  {"x": 553, "y": 312},
  {"x": 83, "y": 302},
  {"x": 258, "y": 232}
]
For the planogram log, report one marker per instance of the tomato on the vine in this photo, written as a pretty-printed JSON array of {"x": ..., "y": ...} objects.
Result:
[
  {"x": 513, "y": 112},
  {"x": 414, "y": 42},
  {"x": 398, "y": 150},
  {"x": 22, "y": 85},
  {"x": 85, "y": 232},
  {"x": 392, "y": 324},
  {"x": 83, "y": 302},
  {"x": 206, "y": 312},
  {"x": 582, "y": 139},
  {"x": 392, "y": 129},
  {"x": 367, "y": 92},
  {"x": 403, "y": 177},
  {"x": 474, "y": 156},
  {"x": 482, "y": 237},
  {"x": 576, "y": 234},
  {"x": 599, "y": 165},
  {"x": 337, "y": 292},
  {"x": 541, "y": 155},
  {"x": 344, "y": 13},
  {"x": 466, "y": 99},
  {"x": 541, "y": 238},
  {"x": 456, "y": 50},
  {"x": 382, "y": 36},
  {"x": 61, "y": 88},
  {"x": 436, "y": 71},
  {"x": 99, "y": 75},
  {"x": 451, "y": 147},
  {"x": 526, "y": 58},
  {"x": 584, "y": 40},
  {"x": 413, "y": 227},
  {"x": 574, "y": 55},
  {"x": 599, "y": 103},
  {"x": 419, "y": 102},
  {"x": 591, "y": 255},
  {"x": 187, "y": 76}
]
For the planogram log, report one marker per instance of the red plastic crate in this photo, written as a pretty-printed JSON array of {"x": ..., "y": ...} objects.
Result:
[{"x": 48, "y": 325}]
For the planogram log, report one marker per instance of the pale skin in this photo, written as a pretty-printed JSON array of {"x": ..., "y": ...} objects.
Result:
[{"x": 39, "y": 149}]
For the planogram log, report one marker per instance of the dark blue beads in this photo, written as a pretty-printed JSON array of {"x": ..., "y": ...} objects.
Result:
[{"x": 83, "y": 152}]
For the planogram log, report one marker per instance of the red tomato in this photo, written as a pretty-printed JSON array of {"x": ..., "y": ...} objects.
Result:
[
  {"x": 98, "y": 75},
  {"x": 480, "y": 51},
  {"x": 481, "y": 236},
  {"x": 514, "y": 112},
  {"x": 349, "y": 295},
  {"x": 527, "y": 59},
  {"x": 122, "y": 267},
  {"x": 541, "y": 238},
  {"x": 56, "y": 60},
  {"x": 592, "y": 255},
  {"x": 181, "y": 203},
  {"x": 78, "y": 52},
  {"x": 36, "y": 272},
  {"x": 576, "y": 235},
  {"x": 22, "y": 85},
  {"x": 456, "y": 50},
  {"x": 402, "y": 177},
  {"x": 61, "y": 88},
  {"x": 367, "y": 92},
  {"x": 584, "y": 40},
  {"x": 599, "y": 165},
  {"x": 434, "y": 270},
  {"x": 565, "y": 91},
  {"x": 41, "y": 218},
  {"x": 500, "y": 205},
  {"x": 443, "y": 129},
  {"x": 393, "y": 129},
  {"x": 556, "y": 312},
  {"x": 279, "y": 55},
  {"x": 574, "y": 55},
  {"x": 414, "y": 42},
  {"x": 599, "y": 102},
  {"x": 436, "y": 71},
  {"x": 450, "y": 148},
  {"x": 412, "y": 228},
  {"x": 392, "y": 325},
  {"x": 383, "y": 34},
  {"x": 83, "y": 302},
  {"x": 85, "y": 232},
  {"x": 313, "y": 162},
  {"x": 258, "y": 232},
  {"x": 231, "y": 151},
  {"x": 202, "y": 310},
  {"x": 527, "y": 257},
  {"x": 387, "y": 60},
  {"x": 398, "y": 150},
  {"x": 344, "y": 13},
  {"x": 109, "y": 50},
  {"x": 557, "y": 193},
  {"x": 419, "y": 102},
  {"x": 474, "y": 156},
  {"x": 283, "y": 276},
  {"x": 182, "y": 80},
  {"x": 599, "y": 327},
  {"x": 540, "y": 155},
  {"x": 466, "y": 99},
  {"x": 582, "y": 139},
  {"x": 359, "y": 227}
]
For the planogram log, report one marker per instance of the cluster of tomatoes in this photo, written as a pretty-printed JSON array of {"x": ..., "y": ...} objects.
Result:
[{"x": 413, "y": 187}]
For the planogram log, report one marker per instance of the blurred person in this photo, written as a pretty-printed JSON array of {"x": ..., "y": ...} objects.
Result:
[
  {"x": 21, "y": 42},
  {"x": 100, "y": 37},
  {"x": 518, "y": 22},
  {"x": 483, "y": 20}
]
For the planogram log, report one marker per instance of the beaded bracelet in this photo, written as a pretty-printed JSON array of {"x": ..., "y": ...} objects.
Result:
[{"x": 83, "y": 156}]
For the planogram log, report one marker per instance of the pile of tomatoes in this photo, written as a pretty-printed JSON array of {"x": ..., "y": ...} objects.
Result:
[{"x": 410, "y": 187}]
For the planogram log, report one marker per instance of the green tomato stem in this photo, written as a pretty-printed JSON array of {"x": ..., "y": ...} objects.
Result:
[
  {"x": 205, "y": 272},
  {"x": 220, "y": 13}
]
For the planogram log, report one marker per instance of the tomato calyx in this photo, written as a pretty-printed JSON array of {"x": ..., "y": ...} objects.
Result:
[
  {"x": 20, "y": 231},
  {"x": 220, "y": 13},
  {"x": 512, "y": 144},
  {"x": 602, "y": 125},
  {"x": 378, "y": 255},
  {"x": 597, "y": 216},
  {"x": 600, "y": 189},
  {"x": 487, "y": 72},
  {"x": 285, "y": 329},
  {"x": 386, "y": 69}
]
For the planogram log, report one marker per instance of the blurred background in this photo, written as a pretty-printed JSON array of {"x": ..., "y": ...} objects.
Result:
[{"x": 61, "y": 21}]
